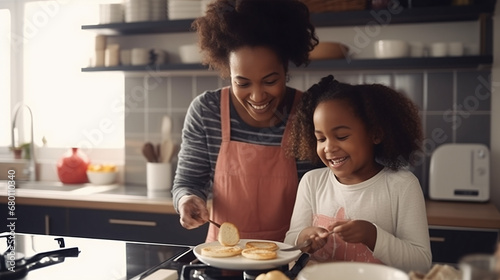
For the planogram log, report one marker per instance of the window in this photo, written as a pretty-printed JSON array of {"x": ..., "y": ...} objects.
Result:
[
  {"x": 5, "y": 77},
  {"x": 70, "y": 108}
]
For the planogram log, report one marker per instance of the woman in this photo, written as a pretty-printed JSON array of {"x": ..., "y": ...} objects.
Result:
[{"x": 233, "y": 138}]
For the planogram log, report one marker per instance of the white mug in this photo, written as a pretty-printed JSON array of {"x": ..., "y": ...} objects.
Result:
[
  {"x": 125, "y": 57},
  {"x": 112, "y": 55},
  {"x": 99, "y": 58},
  {"x": 439, "y": 49},
  {"x": 140, "y": 56}
]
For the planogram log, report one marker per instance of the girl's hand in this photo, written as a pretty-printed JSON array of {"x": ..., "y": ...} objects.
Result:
[
  {"x": 193, "y": 211},
  {"x": 356, "y": 231},
  {"x": 318, "y": 235}
]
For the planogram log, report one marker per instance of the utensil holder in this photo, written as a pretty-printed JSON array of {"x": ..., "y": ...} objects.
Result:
[{"x": 159, "y": 177}]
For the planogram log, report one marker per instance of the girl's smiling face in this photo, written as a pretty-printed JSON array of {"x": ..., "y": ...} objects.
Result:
[
  {"x": 258, "y": 84},
  {"x": 344, "y": 143}
]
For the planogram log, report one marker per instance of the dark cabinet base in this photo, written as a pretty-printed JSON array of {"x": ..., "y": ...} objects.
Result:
[
  {"x": 133, "y": 226},
  {"x": 105, "y": 224},
  {"x": 449, "y": 245}
]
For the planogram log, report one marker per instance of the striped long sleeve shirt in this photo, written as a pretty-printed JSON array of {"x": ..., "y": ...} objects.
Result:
[{"x": 201, "y": 140}]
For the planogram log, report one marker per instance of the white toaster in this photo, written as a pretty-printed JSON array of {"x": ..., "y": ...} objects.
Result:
[{"x": 460, "y": 172}]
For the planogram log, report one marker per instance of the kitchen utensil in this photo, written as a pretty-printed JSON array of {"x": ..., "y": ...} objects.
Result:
[
  {"x": 214, "y": 223},
  {"x": 148, "y": 150},
  {"x": 158, "y": 152},
  {"x": 391, "y": 48},
  {"x": 351, "y": 270},
  {"x": 242, "y": 263},
  {"x": 19, "y": 271},
  {"x": 168, "y": 147},
  {"x": 166, "y": 128},
  {"x": 304, "y": 244},
  {"x": 329, "y": 50},
  {"x": 460, "y": 172}
]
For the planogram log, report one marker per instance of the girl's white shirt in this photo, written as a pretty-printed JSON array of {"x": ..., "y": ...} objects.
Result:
[{"x": 392, "y": 200}]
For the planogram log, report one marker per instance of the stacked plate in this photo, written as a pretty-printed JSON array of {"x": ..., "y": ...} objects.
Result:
[
  {"x": 158, "y": 10},
  {"x": 110, "y": 13},
  {"x": 137, "y": 10},
  {"x": 184, "y": 9}
]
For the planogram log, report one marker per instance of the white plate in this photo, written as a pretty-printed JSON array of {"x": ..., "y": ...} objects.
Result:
[{"x": 241, "y": 263}]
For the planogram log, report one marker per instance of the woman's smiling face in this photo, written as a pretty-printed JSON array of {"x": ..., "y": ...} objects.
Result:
[
  {"x": 258, "y": 83},
  {"x": 343, "y": 142}
]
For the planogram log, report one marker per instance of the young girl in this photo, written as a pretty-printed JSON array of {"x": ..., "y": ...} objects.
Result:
[{"x": 364, "y": 206}]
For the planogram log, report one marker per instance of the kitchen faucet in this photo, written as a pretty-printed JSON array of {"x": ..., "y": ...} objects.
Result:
[{"x": 31, "y": 170}]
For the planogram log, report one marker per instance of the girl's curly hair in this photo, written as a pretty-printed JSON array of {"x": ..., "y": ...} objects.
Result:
[
  {"x": 282, "y": 25},
  {"x": 382, "y": 109}
]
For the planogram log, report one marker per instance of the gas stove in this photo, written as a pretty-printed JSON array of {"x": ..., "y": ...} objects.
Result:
[{"x": 37, "y": 257}]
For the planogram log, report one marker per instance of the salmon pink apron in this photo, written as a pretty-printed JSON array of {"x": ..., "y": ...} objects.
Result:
[{"x": 254, "y": 185}]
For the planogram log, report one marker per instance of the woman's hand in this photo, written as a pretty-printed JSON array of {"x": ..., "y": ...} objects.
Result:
[
  {"x": 193, "y": 211},
  {"x": 318, "y": 235},
  {"x": 356, "y": 231}
]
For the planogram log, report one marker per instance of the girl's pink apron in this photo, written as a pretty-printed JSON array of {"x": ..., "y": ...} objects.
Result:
[{"x": 254, "y": 185}]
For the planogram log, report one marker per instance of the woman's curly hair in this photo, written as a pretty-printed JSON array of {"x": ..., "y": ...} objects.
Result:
[
  {"x": 383, "y": 110},
  {"x": 282, "y": 25}
]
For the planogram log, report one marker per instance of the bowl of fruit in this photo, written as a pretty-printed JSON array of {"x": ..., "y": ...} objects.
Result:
[{"x": 102, "y": 174}]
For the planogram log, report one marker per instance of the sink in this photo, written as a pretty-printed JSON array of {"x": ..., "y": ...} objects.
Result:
[
  {"x": 41, "y": 186},
  {"x": 18, "y": 166},
  {"x": 58, "y": 187}
]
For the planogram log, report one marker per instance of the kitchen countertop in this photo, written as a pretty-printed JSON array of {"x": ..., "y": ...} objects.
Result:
[
  {"x": 136, "y": 198},
  {"x": 463, "y": 214},
  {"x": 107, "y": 197}
]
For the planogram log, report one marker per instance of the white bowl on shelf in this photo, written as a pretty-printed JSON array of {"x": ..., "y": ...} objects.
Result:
[
  {"x": 190, "y": 53},
  {"x": 391, "y": 49}
]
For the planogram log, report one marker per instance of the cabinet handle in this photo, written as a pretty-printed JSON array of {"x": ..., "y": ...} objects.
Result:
[
  {"x": 437, "y": 239},
  {"x": 132, "y": 222},
  {"x": 47, "y": 224}
]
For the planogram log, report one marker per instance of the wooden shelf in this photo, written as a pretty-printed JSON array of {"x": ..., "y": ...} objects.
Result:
[
  {"x": 145, "y": 27},
  {"x": 470, "y": 62},
  {"x": 139, "y": 68},
  {"x": 403, "y": 63}
]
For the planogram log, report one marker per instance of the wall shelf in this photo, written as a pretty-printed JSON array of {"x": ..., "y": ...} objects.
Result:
[
  {"x": 471, "y": 62},
  {"x": 347, "y": 18},
  {"x": 480, "y": 12}
]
